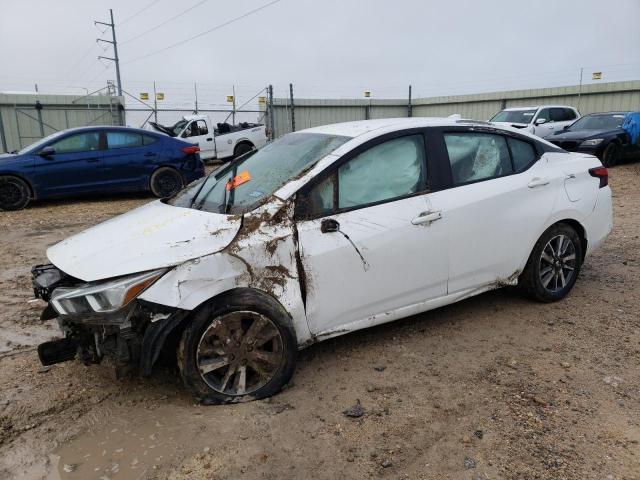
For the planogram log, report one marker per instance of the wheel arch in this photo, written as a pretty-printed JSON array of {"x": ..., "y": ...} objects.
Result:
[
  {"x": 243, "y": 141},
  {"x": 164, "y": 165},
  {"x": 32, "y": 191},
  {"x": 163, "y": 335}
]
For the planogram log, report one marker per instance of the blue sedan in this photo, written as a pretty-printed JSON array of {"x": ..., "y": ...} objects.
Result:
[{"x": 91, "y": 160}]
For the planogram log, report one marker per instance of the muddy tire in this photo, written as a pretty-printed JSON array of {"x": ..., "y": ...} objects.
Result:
[
  {"x": 242, "y": 149},
  {"x": 165, "y": 182},
  {"x": 554, "y": 264},
  {"x": 237, "y": 348},
  {"x": 611, "y": 155},
  {"x": 14, "y": 193}
]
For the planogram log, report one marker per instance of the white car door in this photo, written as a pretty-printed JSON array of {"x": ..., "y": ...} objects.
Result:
[
  {"x": 197, "y": 132},
  {"x": 545, "y": 129},
  {"x": 369, "y": 239},
  {"x": 501, "y": 197}
]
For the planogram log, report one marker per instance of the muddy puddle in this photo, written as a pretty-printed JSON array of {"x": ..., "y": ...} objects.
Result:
[{"x": 135, "y": 446}]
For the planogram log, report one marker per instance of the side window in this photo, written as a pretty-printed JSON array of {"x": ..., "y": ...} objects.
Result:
[
  {"x": 562, "y": 114},
  {"x": 391, "y": 169},
  {"x": 522, "y": 153},
  {"x": 82, "y": 142},
  {"x": 477, "y": 156},
  {"x": 123, "y": 140},
  {"x": 148, "y": 139},
  {"x": 544, "y": 113},
  {"x": 198, "y": 127}
]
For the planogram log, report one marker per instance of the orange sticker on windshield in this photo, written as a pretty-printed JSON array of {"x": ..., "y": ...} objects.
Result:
[{"x": 242, "y": 177}]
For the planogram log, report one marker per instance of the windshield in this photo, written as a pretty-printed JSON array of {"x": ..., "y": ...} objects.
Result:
[
  {"x": 178, "y": 127},
  {"x": 599, "y": 122},
  {"x": 35, "y": 146},
  {"x": 514, "y": 116},
  {"x": 249, "y": 180}
]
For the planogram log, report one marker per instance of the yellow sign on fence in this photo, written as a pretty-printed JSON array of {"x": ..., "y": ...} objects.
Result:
[
  {"x": 144, "y": 96},
  {"x": 367, "y": 93},
  {"x": 230, "y": 98},
  {"x": 262, "y": 100},
  {"x": 159, "y": 96},
  {"x": 596, "y": 76}
]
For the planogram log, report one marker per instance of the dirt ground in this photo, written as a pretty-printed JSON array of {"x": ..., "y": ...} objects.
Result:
[{"x": 495, "y": 387}]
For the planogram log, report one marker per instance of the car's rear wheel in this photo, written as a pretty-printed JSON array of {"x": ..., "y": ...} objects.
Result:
[
  {"x": 611, "y": 155},
  {"x": 239, "y": 349},
  {"x": 14, "y": 193},
  {"x": 165, "y": 182},
  {"x": 242, "y": 149},
  {"x": 554, "y": 264}
]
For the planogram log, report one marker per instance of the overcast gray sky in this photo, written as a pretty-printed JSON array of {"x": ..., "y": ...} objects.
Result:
[{"x": 329, "y": 48}]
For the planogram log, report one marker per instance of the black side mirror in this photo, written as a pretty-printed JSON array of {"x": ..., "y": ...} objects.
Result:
[
  {"x": 566, "y": 127},
  {"x": 329, "y": 225},
  {"x": 47, "y": 152}
]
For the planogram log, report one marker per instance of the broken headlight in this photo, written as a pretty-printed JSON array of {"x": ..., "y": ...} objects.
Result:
[{"x": 103, "y": 297}]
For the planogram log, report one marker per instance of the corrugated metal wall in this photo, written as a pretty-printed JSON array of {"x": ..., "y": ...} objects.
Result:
[
  {"x": 588, "y": 99},
  {"x": 23, "y": 121}
]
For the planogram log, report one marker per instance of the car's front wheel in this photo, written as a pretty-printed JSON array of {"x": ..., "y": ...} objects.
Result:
[
  {"x": 165, "y": 182},
  {"x": 554, "y": 264},
  {"x": 14, "y": 193},
  {"x": 237, "y": 349}
]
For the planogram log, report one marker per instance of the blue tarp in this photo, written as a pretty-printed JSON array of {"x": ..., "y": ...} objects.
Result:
[{"x": 631, "y": 125}]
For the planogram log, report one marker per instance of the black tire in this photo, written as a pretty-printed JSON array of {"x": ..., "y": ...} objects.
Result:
[
  {"x": 165, "y": 182},
  {"x": 14, "y": 193},
  {"x": 242, "y": 148},
  {"x": 231, "y": 317},
  {"x": 611, "y": 155},
  {"x": 558, "y": 271}
]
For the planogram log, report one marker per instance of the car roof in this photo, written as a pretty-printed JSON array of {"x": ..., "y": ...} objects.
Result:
[
  {"x": 607, "y": 113},
  {"x": 361, "y": 127},
  {"x": 111, "y": 127},
  {"x": 535, "y": 107}
]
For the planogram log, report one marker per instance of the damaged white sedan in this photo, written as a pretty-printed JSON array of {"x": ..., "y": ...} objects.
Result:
[{"x": 322, "y": 232}]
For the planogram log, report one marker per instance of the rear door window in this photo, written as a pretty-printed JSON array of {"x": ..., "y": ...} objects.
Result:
[
  {"x": 123, "y": 140},
  {"x": 149, "y": 139},
  {"x": 523, "y": 154},
  {"x": 477, "y": 156}
]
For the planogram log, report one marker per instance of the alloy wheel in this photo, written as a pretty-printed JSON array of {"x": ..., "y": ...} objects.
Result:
[
  {"x": 557, "y": 263},
  {"x": 240, "y": 352}
]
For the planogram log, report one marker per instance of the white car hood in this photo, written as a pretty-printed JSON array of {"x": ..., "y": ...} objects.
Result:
[{"x": 153, "y": 236}]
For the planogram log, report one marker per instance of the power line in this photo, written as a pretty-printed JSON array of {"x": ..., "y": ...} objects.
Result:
[
  {"x": 217, "y": 27},
  {"x": 163, "y": 23},
  {"x": 138, "y": 12}
]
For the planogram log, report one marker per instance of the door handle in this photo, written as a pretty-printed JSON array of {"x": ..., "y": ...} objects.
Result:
[
  {"x": 149, "y": 154},
  {"x": 538, "y": 182},
  {"x": 92, "y": 159},
  {"x": 427, "y": 217},
  {"x": 209, "y": 139},
  {"x": 570, "y": 176}
]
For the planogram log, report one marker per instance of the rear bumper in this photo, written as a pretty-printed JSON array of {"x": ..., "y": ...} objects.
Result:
[{"x": 599, "y": 223}]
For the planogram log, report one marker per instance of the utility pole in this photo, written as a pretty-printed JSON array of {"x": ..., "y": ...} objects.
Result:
[
  {"x": 293, "y": 113},
  {"x": 233, "y": 88},
  {"x": 155, "y": 103},
  {"x": 409, "y": 106},
  {"x": 580, "y": 88},
  {"x": 113, "y": 42},
  {"x": 195, "y": 89}
]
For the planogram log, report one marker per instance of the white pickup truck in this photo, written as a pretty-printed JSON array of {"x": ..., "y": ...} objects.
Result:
[{"x": 220, "y": 141}]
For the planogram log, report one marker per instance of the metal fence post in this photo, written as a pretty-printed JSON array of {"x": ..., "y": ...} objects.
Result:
[
  {"x": 155, "y": 103},
  {"x": 3, "y": 140},
  {"x": 293, "y": 114},
  {"x": 270, "y": 110},
  {"x": 39, "y": 110},
  {"x": 409, "y": 106}
]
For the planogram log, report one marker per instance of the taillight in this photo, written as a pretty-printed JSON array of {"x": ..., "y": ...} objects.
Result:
[
  {"x": 191, "y": 149},
  {"x": 602, "y": 173}
]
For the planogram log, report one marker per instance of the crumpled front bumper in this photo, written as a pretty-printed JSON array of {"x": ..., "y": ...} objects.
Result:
[{"x": 134, "y": 336}]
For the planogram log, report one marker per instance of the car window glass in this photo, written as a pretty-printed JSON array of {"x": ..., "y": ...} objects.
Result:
[
  {"x": 561, "y": 114},
  {"x": 477, "y": 156},
  {"x": 569, "y": 114},
  {"x": 201, "y": 127},
  {"x": 320, "y": 200},
  {"x": 198, "y": 127},
  {"x": 544, "y": 113},
  {"x": 391, "y": 169},
  {"x": 81, "y": 142},
  {"x": 522, "y": 153},
  {"x": 123, "y": 140},
  {"x": 148, "y": 139}
]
